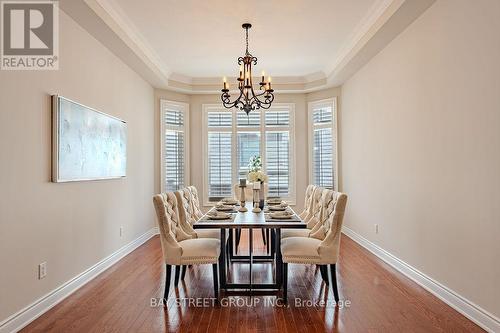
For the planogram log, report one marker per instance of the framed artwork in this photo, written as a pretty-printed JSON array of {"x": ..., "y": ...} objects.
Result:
[{"x": 86, "y": 144}]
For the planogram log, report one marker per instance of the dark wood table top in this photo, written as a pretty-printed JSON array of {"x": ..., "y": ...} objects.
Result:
[{"x": 249, "y": 220}]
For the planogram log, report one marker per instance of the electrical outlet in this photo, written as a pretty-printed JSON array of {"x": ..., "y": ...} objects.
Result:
[
  {"x": 376, "y": 228},
  {"x": 121, "y": 231},
  {"x": 42, "y": 270}
]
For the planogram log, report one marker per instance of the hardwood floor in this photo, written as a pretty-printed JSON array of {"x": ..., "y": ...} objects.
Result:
[{"x": 381, "y": 300}]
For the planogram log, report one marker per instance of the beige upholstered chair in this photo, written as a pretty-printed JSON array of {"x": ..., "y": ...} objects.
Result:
[
  {"x": 312, "y": 216},
  {"x": 195, "y": 202},
  {"x": 322, "y": 247},
  {"x": 188, "y": 216},
  {"x": 307, "y": 202},
  {"x": 180, "y": 248}
]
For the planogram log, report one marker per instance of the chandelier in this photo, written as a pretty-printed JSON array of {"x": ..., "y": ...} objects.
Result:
[{"x": 248, "y": 100}]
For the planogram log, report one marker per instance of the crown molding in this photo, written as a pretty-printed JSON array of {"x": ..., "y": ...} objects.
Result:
[
  {"x": 112, "y": 14},
  {"x": 388, "y": 20},
  {"x": 107, "y": 22}
]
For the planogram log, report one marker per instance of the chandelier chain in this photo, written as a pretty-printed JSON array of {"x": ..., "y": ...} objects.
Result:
[{"x": 247, "y": 40}]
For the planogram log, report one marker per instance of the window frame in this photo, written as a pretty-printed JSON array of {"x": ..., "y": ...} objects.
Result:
[
  {"x": 311, "y": 106},
  {"x": 262, "y": 129},
  {"x": 184, "y": 108}
]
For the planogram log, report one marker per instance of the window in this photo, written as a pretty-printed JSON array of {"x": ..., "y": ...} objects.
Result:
[
  {"x": 323, "y": 143},
  {"x": 174, "y": 145},
  {"x": 232, "y": 138}
]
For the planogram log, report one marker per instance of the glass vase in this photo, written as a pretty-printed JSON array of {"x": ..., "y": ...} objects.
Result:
[{"x": 262, "y": 196}]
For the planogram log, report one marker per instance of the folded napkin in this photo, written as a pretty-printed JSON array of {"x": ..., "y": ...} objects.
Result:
[
  {"x": 282, "y": 216},
  {"x": 215, "y": 215}
]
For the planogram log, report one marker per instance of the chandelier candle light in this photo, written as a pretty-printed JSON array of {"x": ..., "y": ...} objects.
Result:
[{"x": 248, "y": 100}]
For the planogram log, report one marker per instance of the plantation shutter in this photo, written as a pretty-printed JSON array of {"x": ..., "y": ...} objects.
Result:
[
  {"x": 248, "y": 146},
  {"x": 173, "y": 146},
  {"x": 248, "y": 140},
  {"x": 277, "y": 158},
  {"x": 233, "y": 138},
  {"x": 219, "y": 155},
  {"x": 278, "y": 163},
  {"x": 323, "y": 146}
]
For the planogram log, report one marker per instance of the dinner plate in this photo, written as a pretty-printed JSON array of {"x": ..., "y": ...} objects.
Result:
[
  {"x": 224, "y": 208},
  {"x": 278, "y": 208},
  {"x": 273, "y": 201},
  {"x": 219, "y": 216},
  {"x": 281, "y": 216},
  {"x": 229, "y": 201}
]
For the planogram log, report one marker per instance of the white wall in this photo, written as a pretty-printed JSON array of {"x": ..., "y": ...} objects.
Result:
[
  {"x": 71, "y": 226},
  {"x": 421, "y": 148}
]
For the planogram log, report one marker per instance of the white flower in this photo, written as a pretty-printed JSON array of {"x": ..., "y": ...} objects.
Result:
[{"x": 257, "y": 176}]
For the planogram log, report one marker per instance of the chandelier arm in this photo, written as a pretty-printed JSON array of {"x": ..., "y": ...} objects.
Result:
[
  {"x": 256, "y": 97},
  {"x": 227, "y": 102},
  {"x": 267, "y": 101},
  {"x": 262, "y": 93},
  {"x": 265, "y": 106}
]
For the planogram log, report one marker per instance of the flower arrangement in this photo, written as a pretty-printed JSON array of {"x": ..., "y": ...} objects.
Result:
[
  {"x": 255, "y": 166},
  {"x": 255, "y": 163},
  {"x": 257, "y": 176}
]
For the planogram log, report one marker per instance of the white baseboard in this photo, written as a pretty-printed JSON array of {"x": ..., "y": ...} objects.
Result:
[
  {"x": 22, "y": 318},
  {"x": 470, "y": 310}
]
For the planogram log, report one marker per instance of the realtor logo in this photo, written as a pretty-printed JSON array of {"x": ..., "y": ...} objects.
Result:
[{"x": 30, "y": 35}]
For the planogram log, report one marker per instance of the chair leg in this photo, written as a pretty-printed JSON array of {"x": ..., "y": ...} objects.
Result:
[
  {"x": 285, "y": 282},
  {"x": 273, "y": 241},
  {"x": 177, "y": 272},
  {"x": 168, "y": 277},
  {"x": 183, "y": 275},
  {"x": 268, "y": 236},
  {"x": 324, "y": 273},
  {"x": 216, "y": 281},
  {"x": 229, "y": 249},
  {"x": 334, "y": 283},
  {"x": 238, "y": 237},
  {"x": 263, "y": 232}
]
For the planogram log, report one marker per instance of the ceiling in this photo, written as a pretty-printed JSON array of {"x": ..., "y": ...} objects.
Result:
[
  {"x": 188, "y": 45},
  {"x": 204, "y": 38}
]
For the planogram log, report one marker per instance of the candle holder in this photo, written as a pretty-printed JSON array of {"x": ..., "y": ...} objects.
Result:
[
  {"x": 256, "y": 198},
  {"x": 256, "y": 208},
  {"x": 242, "y": 199}
]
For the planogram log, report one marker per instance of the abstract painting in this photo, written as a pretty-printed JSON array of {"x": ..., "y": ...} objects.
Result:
[{"x": 86, "y": 144}]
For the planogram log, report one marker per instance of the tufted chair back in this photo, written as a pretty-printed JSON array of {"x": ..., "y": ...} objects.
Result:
[
  {"x": 326, "y": 198},
  {"x": 308, "y": 201},
  {"x": 186, "y": 212},
  {"x": 331, "y": 226},
  {"x": 195, "y": 201},
  {"x": 169, "y": 224},
  {"x": 313, "y": 216}
]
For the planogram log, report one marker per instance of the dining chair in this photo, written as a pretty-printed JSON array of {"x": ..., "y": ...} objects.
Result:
[
  {"x": 307, "y": 202},
  {"x": 188, "y": 216},
  {"x": 195, "y": 202},
  {"x": 322, "y": 247},
  {"x": 312, "y": 216},
  {"x": 180, "y": 249}
]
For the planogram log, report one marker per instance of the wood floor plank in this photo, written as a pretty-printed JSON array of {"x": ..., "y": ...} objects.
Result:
[{"x": 381, "y": 299}]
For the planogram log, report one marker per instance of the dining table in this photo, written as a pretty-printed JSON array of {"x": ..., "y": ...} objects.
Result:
[{"x": 249, "y": 220}]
